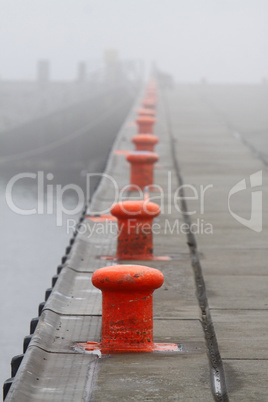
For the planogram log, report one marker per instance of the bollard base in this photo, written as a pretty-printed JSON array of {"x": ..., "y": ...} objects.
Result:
[
  {"x": 104, "y": 349},
  {"x": 101, "y": 218}
]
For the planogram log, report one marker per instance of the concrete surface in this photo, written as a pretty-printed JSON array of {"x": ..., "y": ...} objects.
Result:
[{"x": 235, "y": 257}]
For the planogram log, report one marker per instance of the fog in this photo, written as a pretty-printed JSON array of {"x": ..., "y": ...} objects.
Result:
[
  {"x": 66, "y": 130},
  {"x": 221, "y": 40}
]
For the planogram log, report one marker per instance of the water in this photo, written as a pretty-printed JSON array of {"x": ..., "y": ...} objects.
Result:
[{"x": 32, "y": 247}]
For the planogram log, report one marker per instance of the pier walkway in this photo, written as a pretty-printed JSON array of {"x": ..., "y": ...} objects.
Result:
[{"x": 213, "y": 302}]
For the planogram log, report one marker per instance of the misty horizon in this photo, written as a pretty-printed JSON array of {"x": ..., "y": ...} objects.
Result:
[{"x": 221, "y": 41}]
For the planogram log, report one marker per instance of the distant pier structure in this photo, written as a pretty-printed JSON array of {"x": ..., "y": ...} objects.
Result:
[
  {"x": 43, "y": 71},
  {"x": 82, "y": 72}
]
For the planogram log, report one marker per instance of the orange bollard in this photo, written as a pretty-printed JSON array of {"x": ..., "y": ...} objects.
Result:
[
  {"x": 127, "y": 306},
  {"x": 127, "y": 310},
  {"x": 152, "y": 84},
  {"x": 145, "y": 142},
  {"x": 145, "y": 124},
  {"x": 141, "y": 171},
  {"x": 135, "y": 236},
  {"x": 149, "y": 102},
  {"x": 151, "y": 93},
  {"x": 146, "y": 112}
]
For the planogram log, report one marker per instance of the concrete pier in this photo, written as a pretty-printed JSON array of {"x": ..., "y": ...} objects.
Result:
[{"x": 211, "y": 236}]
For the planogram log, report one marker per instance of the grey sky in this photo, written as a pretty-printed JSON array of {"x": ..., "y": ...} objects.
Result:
[{"x": 223, "y": 40}]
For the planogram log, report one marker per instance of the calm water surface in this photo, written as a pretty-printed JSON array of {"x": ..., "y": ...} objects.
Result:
[{"x": 32, "y": 247}]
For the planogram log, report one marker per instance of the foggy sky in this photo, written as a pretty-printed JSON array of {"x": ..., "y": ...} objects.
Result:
[{"x": 222, "y": 40}]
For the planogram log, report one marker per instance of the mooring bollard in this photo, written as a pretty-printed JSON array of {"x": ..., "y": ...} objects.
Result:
[
  {"x": 151, "y": 94},
  {"x": 127, "y": 306},
  {"x": 142, "y": 169},
  {"x": 135, "y": 236},
  {"x": 146, "y": 112},
  {"x": 145, "y": 124},
  {"x": 145, "y": 142},
  {"x": 127, "y": 309},
  {"x": 149, "y": 102}
]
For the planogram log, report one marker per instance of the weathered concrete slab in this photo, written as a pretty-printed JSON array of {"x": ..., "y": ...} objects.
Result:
[
  {"x": 246, "y": 379},
  {"x": 224, "y": 221},
  {"x": 60, "y": 333},
  {"x": 154, "y": 377},
  {"x": 249, "y": 262},
  {"x": 176, "y": 304},
  {"x": 210, "y": 152},
  {"x": 242, "y": 238},
  {"x": 74, "y": 294},
  {"x": 188, "y": 333},
  {"x": 53, "y": 377},
  {"x": 242, "y": 333},
  {"x": 239, "y": 292},
  {"x": 89, "y": 247}
]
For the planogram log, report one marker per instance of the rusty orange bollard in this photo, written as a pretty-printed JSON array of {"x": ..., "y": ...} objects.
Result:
[
  {"x": 141, "y": 171},
  {"x": 146, "y": 112},
  {"x": 135, "y": 236},
  {"x": 149, "y": 102},
  {"x": 145, "y": 124},
  {"x": 127, "y": 310},
  {"x": 127, "y": 306},
  {"x": 145, "y": 142},
  {"x": 151, "y": 93},
  {"x": 152, "y": 85}
]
